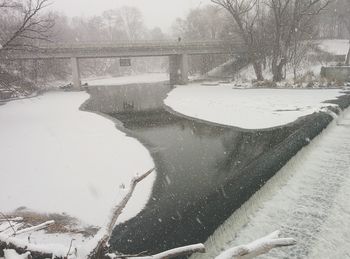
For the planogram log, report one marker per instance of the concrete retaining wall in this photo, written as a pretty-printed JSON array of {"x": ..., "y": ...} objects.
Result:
[{"x": 339, "y": 73}]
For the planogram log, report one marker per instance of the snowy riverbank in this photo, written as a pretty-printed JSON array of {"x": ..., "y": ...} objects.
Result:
[
  {"x": 56, "y": 158},
  {"x": 248, "y": 108},
  {"x": 335, "y": 47}
]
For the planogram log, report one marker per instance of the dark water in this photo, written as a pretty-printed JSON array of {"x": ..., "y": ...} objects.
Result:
[{"x": 204, "y": 171}]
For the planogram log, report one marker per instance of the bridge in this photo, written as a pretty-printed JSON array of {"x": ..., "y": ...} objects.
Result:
[{"x": 177, "y": 51}]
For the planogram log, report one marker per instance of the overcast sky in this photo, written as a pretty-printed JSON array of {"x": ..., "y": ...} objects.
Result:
[{"x": 156, "y": 13}]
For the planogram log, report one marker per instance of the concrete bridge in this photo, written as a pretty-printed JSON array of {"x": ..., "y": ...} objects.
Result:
[{"x": 177, "y": 52}]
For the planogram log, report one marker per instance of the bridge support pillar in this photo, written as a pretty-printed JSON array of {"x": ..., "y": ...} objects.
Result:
[
  {"x": 76, "y": 73},
  {"x": 178, "y": 69},
  {"x": 184, "y": 68}
]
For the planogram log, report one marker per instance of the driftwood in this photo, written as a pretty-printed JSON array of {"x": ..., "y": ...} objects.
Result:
[
  {"x": 180, "y": 251},
  {"x": 35, "y": 228},
  {"x": 17, "y": 219},
  {"x": 258, "y": 247},
  {"x": 101, "y": 249}
]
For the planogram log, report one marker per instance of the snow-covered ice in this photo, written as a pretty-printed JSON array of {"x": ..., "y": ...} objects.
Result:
[
  {"x": 132, "y": 79},
  {"x": 56, "y": 158},
  {"x": 308, "y": 199},
  {"x": 247, "y": 108}
]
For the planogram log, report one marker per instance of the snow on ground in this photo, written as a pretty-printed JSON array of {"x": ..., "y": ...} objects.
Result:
[
  {"x": 142, "y": 78},
  {"x": 57, "y": 241},
  {"x": 336, "y": 47},
  {"x": 307, "y": 200},
  {"x": 247, "y": 108},
  {"x": 246, "y": 76},
  {"x": 56, "y": 158},
  {"x": 12, "y": 254},
  {"x": 44, "y": 238}
]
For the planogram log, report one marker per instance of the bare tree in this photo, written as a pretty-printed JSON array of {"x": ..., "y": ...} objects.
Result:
[
  {"x": 274, "y": 29},
  {"x": 298, "y": 54},
  {"x": 290, "y": 17},
  {"x": 330, "y": 24},
  {"x": 204, "y": 23},
  {"x": 22, "y": 24},
  {"x": 343, "y": 9},
  {"x": 246, "y": 14}
]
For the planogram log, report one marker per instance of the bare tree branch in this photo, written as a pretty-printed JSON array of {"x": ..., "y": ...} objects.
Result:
[
  {"x": 9, "y": 221},
  {"x": 35, "y": 228}
]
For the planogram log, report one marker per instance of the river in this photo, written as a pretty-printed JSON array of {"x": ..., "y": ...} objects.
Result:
[{"x": 204, "y": 171}]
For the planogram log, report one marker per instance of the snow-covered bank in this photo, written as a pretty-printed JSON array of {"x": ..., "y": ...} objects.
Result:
[
  {"x": 247, "y": 108},
  {"x": 336, "y": 47},
  {"x": 56, "y": 158},
  {"x": 133, "y": 79},
  {"x": 307, "y": 200}
]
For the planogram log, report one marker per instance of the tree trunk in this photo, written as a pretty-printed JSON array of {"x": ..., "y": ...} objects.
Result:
[
  {"x": 277, "y": 70},
  {"x": 277, "y": 75},
  {"x": 258, "y": 71},
  {"x": 347, "y": 58}
]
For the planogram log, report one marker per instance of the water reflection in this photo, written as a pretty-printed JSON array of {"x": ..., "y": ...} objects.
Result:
[{"x": 204, "y": 171}]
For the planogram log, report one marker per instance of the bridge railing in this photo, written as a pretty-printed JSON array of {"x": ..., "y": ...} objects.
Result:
[{"x": 131, "y": 44}]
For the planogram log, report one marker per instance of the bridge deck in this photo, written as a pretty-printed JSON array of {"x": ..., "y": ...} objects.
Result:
[{"x": 126, "y": 49}]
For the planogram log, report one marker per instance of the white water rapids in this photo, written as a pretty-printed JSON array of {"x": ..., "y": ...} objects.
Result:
[{"x": 308, "y": 199}]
